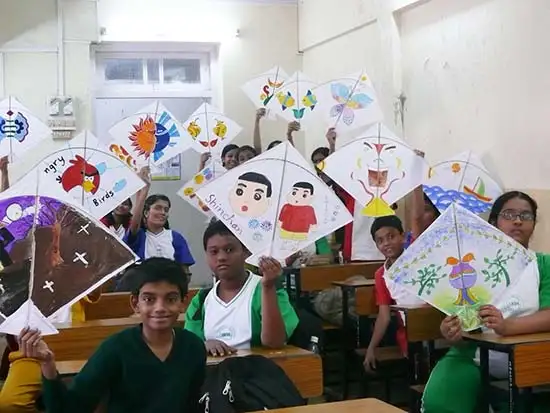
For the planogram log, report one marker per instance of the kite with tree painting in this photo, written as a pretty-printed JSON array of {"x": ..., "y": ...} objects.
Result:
[
  {"x": 275, "y": 203},
  {"x": 461, "y": 263}
]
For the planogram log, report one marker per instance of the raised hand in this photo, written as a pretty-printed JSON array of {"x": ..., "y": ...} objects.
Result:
[{"x": 271, "y": 270}]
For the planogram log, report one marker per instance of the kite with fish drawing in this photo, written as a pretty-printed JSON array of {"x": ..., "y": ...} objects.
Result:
[
  {"x": 263, "y": 88},
  {"x": 275, "y": 203},
  {"x": 460, "y": 263}
]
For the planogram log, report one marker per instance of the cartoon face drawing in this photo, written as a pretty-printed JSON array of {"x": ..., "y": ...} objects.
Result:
[
  {"x": 80, "y": 173},
  {"x": 378, "y": 163},
  {"x": 301, "y": 194},
  {"x": 251, "y": 196}
]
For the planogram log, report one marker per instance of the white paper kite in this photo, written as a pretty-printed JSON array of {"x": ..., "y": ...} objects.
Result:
[
  {"x": 151, "y": 136},
  {"x": 94, "y": 178},
  {"x": 20, "y": 130},
  {"x": 263, "y": 88},
  {"x": 295, "y": 100},
  {"x": 462, "y": 179},
  {"x": 275, "y": 203},
  {"x": 461, "y": 263},
  {"x": 377, "y": 169},
  {"x": 58, "y": 254},
  {"x": 348, "y": 103},
  {"x": 189, "y": 191},
  {"x": 210, "y": 130}
]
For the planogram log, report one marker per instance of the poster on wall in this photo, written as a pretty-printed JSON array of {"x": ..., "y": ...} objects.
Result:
[{"x": 168, "y": 171}]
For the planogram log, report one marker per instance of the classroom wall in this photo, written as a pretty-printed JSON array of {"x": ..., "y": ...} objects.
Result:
[{"x": 474, "y": 73}]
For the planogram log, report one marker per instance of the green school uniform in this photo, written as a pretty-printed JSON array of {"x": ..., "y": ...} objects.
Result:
[
  {"x": 290, "y": 319},
  {"x": 455, "y": 382},
  {"x": 125, "y": 370}
]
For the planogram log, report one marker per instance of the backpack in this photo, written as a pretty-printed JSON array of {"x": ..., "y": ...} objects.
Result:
[
  {"x": 309, "y": 325},
  {"x": 248, "y": 384}
]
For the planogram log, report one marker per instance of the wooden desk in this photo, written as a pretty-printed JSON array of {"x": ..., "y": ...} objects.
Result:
[
  {"x": 116, "y": 305},
  {"x": 529, "y": 363},
  {"x": 301, "y": 366},
  {"x": 350, "y": 406},
  {"x": 317, "y": 278},
  {"x": 78, "y": 341}
]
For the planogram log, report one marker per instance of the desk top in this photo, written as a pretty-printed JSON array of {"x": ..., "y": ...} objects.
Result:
[
  {"x": 70, "y": 367},
  {"x": 350, "y": 406},
  {"x": 495, "y": 339},
  {"x": 108, "y": 322},
  {"x": 354, "y": 283}
]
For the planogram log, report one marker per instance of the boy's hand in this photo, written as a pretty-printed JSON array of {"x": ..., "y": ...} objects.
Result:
[
  {"x": 260, "y": 113},
  {"x": 271, "y": 270},
  {"x": 218, "y": 348},
  {"x": 32, "y": 346},
  {"x": 492, "y": 318},
  {"x": 451, "y": 329},
  {"x": 370, "y": 361}
]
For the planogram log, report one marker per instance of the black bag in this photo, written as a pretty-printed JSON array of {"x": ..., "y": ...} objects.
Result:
[{"x": 248, "y": 384}]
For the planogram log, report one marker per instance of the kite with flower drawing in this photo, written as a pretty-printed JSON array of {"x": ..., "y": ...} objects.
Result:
[
  {"x": 20, "y": 130},
  {"x": 152, "y": 136},
  {"x": 377, "y": 169},
  {"x": 349, "y": 102},
  {"x": 275, "y": 203},
  {"x": 460, "y": 263},
  {"x": 263, "y": 88}
]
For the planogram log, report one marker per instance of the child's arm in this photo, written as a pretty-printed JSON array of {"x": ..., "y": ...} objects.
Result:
[
  {"x": 331, "y": 139},
  {"x": 5, "y": 175},
  {"x": 204, "y": 158},
  {"x": 292, "y": 127},
  {"x": 137, "y": 213},
  {"x": 274, "y": 329},
  {"x": 257, "y": 140},
  {"x": 87, "y": 388},
  {"x": 380, "y": 326}
]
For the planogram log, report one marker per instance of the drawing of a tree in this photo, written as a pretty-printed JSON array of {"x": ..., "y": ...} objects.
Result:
[
  {"x": 427, "y": 278},
  {"x": 496, "y": 271}
]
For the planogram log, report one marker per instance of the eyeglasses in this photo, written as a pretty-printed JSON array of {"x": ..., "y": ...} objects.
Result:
[{"x": 524, "y": 216}]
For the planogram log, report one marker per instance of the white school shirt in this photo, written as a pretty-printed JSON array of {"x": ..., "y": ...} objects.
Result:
[
  {"x": 119, "y": 232},
  {"x": 400, "y": 294},
  {"x": 159, "y": 245},
  {"x": 231, "y": 322},
  {"x": 518, "y": 300}
]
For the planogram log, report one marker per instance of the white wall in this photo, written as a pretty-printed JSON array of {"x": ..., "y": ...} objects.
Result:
[{"x": 475, "y": 74}]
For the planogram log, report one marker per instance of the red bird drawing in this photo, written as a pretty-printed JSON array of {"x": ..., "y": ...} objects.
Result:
[{"x": 80, "y": 173}]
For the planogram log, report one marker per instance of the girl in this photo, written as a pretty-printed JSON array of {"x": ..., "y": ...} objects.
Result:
[
  {"x": 229, "y": 157},
  {"x": 118, "y": 220},
  {"x": 523, "y": 309},
  {"x": 149, "y": 234}
]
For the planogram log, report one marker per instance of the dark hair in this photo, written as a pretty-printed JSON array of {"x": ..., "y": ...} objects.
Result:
[
  {"x": 228, "y": 148},
  {"x": 273, "y": 144},
  {"x": 110, "y": 217},
  {"x": 304, "y": 185},
  {"x": 259, "y": 179},
  {"x": 153, "y": 270},
  {"x": 216, "y": 228},
  {"x": 323, "y": 150},
  {"x": 508, "y": 196},
  {"x": 246, "y": 148},
  {"x": 391, "y": 221},
  {"x": 428, "y": 201},
  {"x": 151, "y": 199}
]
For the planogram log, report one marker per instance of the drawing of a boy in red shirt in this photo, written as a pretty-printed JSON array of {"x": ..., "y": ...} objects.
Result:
[{"x": 297, "y": 217}]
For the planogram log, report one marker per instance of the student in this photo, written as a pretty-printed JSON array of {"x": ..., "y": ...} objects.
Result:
[
  {"x": 523, "y": 309},
  {"x": 292, "y": 127},
  {"x": 118, "y": 220},
  {"x": 228, "y": 157},
  {"x": 246, "y": 153},
  {"x": 388, "y": 235},
  {"x": 242, "y": 310},
  {"x": 153, "y": 367},
  {"x": 150, "y": 235}
]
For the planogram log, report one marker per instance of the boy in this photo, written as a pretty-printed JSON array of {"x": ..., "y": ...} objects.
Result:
[
  {"x": 153, "y": 367},
  {"x": 242, "y": 310},
  {"x": 389, "y": 238}
]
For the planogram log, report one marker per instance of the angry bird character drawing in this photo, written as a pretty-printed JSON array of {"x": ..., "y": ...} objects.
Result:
[
  {"x": 267, "y": 90},
  {"x": 251, "y": 196},
  {"x": 220, "y": 130},
  {"x": 151, "y": 138},
  {"x": 80, "y": 173},
  {"x": 377, "y": 170},
  {"x": 14, "y": 125},
  {"x": 348, "y": 102},
  {"x": 194, "y": 129},
  {"x": 463, "y": 277},
  {"x": 286, "y": 100},
  {"x": 297, "y": 217}
]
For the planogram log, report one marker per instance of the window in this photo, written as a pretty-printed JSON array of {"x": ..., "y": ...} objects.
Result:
[{"x": 123, "y": 70}]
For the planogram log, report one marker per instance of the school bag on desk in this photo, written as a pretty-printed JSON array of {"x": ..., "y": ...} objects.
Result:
[{"x": 248, "y": 384}]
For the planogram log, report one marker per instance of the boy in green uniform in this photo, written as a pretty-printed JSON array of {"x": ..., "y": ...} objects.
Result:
[
  {"x": 242, "y": 310},
  {"x": 153, "y": 367}
]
